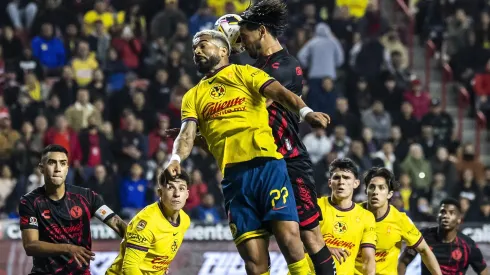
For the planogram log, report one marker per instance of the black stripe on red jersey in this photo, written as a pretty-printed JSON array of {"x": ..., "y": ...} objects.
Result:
[
  {"x": 285, "y": 124},
  {"x": 455, "y": 257},
  {"x": 65, "y": 221}
]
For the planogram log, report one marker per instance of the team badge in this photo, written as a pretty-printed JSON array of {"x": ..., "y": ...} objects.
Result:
[
  {"x": 76, "y": 212},
  {"x": 233, "y": 230},
  {"x": 217, "y": 91},
  {"x": 141, "y": 225},
  {"x": 456, "y": 254},
  {"x": 33, "y": 221},
  {"x": 340, "y": 227}
]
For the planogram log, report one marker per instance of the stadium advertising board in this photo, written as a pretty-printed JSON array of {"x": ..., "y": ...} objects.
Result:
[{"x": 207, "y": 250}]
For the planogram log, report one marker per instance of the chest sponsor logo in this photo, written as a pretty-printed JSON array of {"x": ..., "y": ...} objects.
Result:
[
  {"x": 76, "y": 212},
  {"x": 136, "y": 238},
  {"x": 62, "y": 233},
  {"x": 215, "y": 109},
  {"x": 161, "y": 263},
  {"x": 340, "y": 227},
  {"x": 331, "y": 240},
  {"x": 217, "y": 91}
]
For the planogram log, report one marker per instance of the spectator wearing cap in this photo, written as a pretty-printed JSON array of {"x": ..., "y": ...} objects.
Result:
[
  {"x": 378, "y": 120},
  {"x": 322, "y": 56},
  {"x": 419, "y": 99},
  {"x": 441, "y": 122},
  {"x": 8, "y": 136},
  {"x": 203, "y": 19},
  {"x": 165, "y": 22},
  {"x": 99, "y": 13},
  {"x": 49, "y": 49}
]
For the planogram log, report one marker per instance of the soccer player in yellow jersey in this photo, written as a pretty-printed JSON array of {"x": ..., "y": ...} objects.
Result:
[
  {"x": 229, "y": 107},
  {"x": 155, "y": 234},
  {"x": 346, "y": 225},
  {"x": 392, "y": 226}
]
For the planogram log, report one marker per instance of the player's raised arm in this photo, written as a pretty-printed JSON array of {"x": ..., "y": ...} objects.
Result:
[
  {"x": 428, "y": 258},
  {"x": 275, "y": 91},
  {"x": 182, "y": 146},
  {"x": 105, "y": 214}
]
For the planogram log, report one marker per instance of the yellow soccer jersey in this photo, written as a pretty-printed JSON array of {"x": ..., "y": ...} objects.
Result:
[
  {"x": 150, "y": 244},
  {"x": 351, "y": 229},
  {"x": 391, "y": 229},
  {"x": 231, "y": 113}
]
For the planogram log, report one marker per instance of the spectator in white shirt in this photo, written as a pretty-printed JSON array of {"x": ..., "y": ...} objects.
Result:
[{"x": 317, "y": 144}]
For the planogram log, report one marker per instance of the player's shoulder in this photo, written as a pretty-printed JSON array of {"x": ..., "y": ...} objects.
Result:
[
  {"x": 467, "y": 239},
  {"x": 78, "y": 190},
  {"x": 429, "y": 233},
  {"x": 185, "y": 220},
  {"x": 32, "y": 196},
  {"x": 148, "y": 217},
  {"x": 363, "y": 213}
]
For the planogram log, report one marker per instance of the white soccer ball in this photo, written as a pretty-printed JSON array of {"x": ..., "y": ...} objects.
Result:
[{"x": 228, "y": 25}]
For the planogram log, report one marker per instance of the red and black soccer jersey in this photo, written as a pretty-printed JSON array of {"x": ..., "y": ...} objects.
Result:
[
  {"x": 66, "y": 221},
  {"x": 454, "y": 258},
  {"x": 286, "y": 69}
]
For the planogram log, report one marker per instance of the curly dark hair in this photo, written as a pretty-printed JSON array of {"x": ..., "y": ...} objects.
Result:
[{"x": 272, "y": 14}]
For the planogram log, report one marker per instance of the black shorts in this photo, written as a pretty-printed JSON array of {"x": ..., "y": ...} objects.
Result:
[{"x": 301, "y": 175}]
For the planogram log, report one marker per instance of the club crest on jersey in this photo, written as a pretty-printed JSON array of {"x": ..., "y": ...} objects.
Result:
[
  {"x": 175, "y": 246},
  {"x": 141, "y": 225},
  {"x": 340, "y": 227},
  {"x": 217, "y": 91},
  {"x": 456, "y": 254},
  {"x": 33, "y": 221},
  {"x": 76, "y": 212}
]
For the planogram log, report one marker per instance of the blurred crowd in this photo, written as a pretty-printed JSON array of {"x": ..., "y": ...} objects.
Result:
[{"x": 105, "y": 79}]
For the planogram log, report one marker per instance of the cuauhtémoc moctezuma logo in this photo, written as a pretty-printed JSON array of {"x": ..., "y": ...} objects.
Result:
[
  {"x": 215, "y": 109},
  {"x": 330, "y": 240}
]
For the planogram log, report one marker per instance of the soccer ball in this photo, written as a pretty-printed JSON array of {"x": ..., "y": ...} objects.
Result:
[{"x": 228, "y": 25}]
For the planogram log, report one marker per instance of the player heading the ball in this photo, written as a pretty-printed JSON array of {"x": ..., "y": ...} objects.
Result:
[{"x": 228, "y": 105}]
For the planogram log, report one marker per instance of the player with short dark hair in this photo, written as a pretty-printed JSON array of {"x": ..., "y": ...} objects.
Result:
[
  {"x": 155, "y": 234},
  {"x": 392, "y": 226},
  {"x": 260, "y": 27},
  {"x": 346, "y": 226},
  {"x": 229, "y": 105},
  {"x": 55, "y": 219},
  {"x": 454, "y": 251}
]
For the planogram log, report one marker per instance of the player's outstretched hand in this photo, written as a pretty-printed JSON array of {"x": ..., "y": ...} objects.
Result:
[
  {"x": 318, "y": 120},
  {"x": 341, "y": 254},
  {"x": 173, "y": 169},
  {"x": 81, "y": 255}
]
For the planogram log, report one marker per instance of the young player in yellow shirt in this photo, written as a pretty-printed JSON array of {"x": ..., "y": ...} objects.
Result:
[
  {"x": 229, "y": 106},
  {"x": 392, "y": 226},
  {"x": 155, "y": 234},
  {"x": 347, "y": 228}
]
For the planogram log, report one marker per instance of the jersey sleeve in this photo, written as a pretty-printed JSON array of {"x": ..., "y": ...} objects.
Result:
[
  {"x": 477, "y": 261},
  {"x": 410, "y": 232},
  {"x": 369, "y": 233},
  {"x": 98, "y": 208},
  {"x": 138, "y": 235},
  {"x": 28, "y": 216},
  {"x": 188, "y": 111},
  {"x": 254, "y": 79}
]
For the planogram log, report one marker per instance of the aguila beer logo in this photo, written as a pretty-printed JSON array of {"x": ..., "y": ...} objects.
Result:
[
  {"x": 217, "y": 91},
  {"x": 340, "y": 227}
]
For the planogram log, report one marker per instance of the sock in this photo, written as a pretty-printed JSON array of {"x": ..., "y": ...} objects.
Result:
[
  {"x": 299, "y": 268},
  {"x": 267, "y": 273},
  {"x": 323, "y": 262}
]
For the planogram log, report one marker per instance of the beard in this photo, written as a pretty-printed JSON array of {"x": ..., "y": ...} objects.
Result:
[{"x": 206, "y": 65}]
